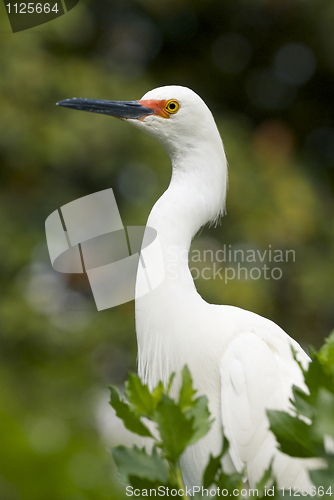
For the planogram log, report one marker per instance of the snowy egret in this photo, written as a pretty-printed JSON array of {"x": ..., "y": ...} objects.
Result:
[{"x": 241, "y": 361}]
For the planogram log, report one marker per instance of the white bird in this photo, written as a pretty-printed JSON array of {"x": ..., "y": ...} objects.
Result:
[{"x": 241, "y": 361}]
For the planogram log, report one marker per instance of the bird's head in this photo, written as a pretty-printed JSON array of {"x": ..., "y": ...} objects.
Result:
[{"x": 175, "y": 116}]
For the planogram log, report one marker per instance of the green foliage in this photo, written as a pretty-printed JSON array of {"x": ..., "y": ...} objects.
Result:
[
  {"x": 178, "y": 424},
  {"x": 136, "y": 463},
  {"x": 131, "y": 420},
  {"x": 310, "y": 432},
  {"x": 326, "y": 354},
  {"x": 292, "y": 433},
  {"x": 176, "y": 430},
  {"x": 143, "y": 401},
  {"x": 214, "y": 473}
]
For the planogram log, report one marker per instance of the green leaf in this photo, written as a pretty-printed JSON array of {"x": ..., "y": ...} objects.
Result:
[
  {"x": 187, "y": 391},
  {"x": 292, "y": 434},
  {"x": 170, "y": 381},
  {"x": 324, "y": 414},
  {"x": 157, "y": 392},
  {"x": 146, "y": 484},
  {"x": 140, "y": 397},
  {"x": 200, "y": 414},
  {"x": 214, "y": 466},
  {"x": 230, "y": 482},
  {"x": 317, "y": 376},
  {"x": 211, "y": 470},
  {"x": 137, "y": 463},
  {"x": 301, "y": 402},
  {"x": 326, "y": 353},
  {"x": 130, "y": 419},
  {"x": 175, "y": 429}
]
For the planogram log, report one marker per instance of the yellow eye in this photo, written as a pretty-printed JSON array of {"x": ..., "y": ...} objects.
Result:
[{"x": 172, "y": 106}]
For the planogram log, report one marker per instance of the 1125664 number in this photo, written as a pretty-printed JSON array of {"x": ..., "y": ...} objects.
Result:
[
  {"x": 297, "y": 492},
  {"x": 31, "y": 8}
]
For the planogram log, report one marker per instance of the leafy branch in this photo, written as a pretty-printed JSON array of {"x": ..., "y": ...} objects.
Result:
[
  {"x": 310, "y": 432},
  {"x": 173, "y": 425}
]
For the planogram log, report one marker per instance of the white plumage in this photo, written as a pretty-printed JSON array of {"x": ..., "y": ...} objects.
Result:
[{"x": 241, "y": 361}]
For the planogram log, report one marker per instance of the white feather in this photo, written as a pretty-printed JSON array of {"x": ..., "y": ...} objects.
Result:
[{"x": 239, "y": 360}]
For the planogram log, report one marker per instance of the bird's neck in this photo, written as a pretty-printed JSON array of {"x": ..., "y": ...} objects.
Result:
[{"x": 195, "y": 196}]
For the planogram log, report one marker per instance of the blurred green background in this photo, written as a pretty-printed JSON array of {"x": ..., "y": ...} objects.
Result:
[{"x": 266, "y": 69}]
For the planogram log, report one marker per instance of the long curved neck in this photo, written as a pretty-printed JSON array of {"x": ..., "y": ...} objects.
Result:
[{"x": 195, "y": 196}]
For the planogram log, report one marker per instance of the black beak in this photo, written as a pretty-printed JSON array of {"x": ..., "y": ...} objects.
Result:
[{"x": 120, "y": 109}]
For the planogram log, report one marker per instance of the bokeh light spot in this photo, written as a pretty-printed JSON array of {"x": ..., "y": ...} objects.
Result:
[
  {"x": 273, "y": 141},
  {"x": 48, "y": 435},
  {"x": 294, "y": 63}
]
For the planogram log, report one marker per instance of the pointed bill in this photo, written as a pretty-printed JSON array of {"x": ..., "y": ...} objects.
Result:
[{"x": 120, "y": 109}]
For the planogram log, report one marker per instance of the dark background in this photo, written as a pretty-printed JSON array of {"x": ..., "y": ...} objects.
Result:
[{"x": 266, "y": 69}]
